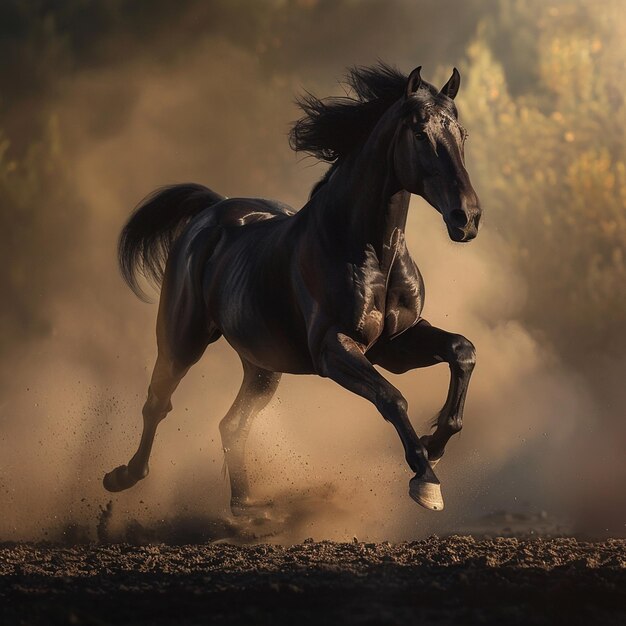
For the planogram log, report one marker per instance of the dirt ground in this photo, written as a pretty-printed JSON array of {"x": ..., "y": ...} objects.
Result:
[{"x": 456, "y": 580}]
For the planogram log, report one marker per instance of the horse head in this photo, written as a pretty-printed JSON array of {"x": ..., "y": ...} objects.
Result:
[{"x": 429, "y": 155}]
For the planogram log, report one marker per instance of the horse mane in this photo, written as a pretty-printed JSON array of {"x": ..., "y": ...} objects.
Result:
[{"x": 332, "y": 127}]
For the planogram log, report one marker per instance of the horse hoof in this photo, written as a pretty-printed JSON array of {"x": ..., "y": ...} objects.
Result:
[
  {"x": 426, "y": 494},
  {"x": 119, "y": 479}
]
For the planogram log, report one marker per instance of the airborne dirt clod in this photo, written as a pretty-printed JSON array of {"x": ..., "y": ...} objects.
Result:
[{"x": 457, "y": 580}]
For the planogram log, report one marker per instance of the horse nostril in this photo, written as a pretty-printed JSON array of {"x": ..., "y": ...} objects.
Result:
[
  {"x": 477, "y": 219},
  {"x": 458, "y": 218}
]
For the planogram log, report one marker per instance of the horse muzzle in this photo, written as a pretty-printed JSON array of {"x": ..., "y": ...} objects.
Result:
[{"x": 463, "y": 224}]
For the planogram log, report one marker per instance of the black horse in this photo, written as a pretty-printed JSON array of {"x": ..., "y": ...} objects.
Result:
[{"x": 328, "y": 290}]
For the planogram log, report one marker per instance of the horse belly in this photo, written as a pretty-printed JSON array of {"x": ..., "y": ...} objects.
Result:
[
  {"x": 269, "y": 348},
  {"x": 251, "y": 304}
]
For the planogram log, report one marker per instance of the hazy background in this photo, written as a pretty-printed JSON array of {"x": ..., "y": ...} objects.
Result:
[{"x": 102, "y": 101}]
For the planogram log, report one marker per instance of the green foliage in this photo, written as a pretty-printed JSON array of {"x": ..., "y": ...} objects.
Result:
[
  {"x": 549, "y": 163},
  {"x": 35, "y": 222},
  {"x": 48, "y": 45},
  {"x": 543, "y": 96}
]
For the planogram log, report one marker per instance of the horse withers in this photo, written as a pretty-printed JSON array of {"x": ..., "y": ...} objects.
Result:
[{"x": 330, "y": 289}]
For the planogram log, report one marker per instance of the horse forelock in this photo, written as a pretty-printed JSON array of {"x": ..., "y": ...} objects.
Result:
[{"x": 427, "y": 101}]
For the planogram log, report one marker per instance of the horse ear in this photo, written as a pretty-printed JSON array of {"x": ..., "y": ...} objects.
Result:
[
  {"x": 451, "y": 88},
  {"x": 414, "y": 82}
]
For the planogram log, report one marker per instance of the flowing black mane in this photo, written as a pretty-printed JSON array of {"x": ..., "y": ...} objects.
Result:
[{"x": 333, "y": 127}]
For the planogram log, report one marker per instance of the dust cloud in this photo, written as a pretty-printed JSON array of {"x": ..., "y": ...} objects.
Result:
[{"x": 71, "y": 408}]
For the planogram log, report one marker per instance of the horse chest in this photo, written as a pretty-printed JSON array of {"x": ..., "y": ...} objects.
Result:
[
  {"x": 404, "y": 301},
  {"x": 368, "y": 298},
  {"x": 386, "y": 303},
  {"x": 404, "y": 298}
]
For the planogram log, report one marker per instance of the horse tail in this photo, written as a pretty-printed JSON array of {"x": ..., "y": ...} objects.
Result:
[{"x": 155, "y": 224}]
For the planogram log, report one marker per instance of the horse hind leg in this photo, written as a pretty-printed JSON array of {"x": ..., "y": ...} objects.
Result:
[
  {"x": 256, "y": 391},
  {"x": 165, "y": 378},
  {"x": 190, "y": 341}
]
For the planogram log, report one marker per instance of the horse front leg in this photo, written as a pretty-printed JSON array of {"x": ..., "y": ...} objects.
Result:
[
  {"x": 424, "y": 345},
  {"x": 343, "y": 360}
]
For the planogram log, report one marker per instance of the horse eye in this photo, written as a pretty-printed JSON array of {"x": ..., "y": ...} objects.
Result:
[{"x": 419, "y": 135}]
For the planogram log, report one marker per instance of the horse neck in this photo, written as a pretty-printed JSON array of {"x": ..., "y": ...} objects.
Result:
[{"x": 362, "y": 204}]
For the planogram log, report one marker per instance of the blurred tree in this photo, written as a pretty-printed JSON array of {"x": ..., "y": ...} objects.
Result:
[
  {"x": 46, "y": 44},
  {"x": 36, "y": 204},
  {"x": 550, "y": 163},
  {"x": 543, "y": 97}
]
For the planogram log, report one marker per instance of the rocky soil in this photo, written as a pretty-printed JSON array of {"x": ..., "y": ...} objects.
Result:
[{"x": 456, "y": 580}]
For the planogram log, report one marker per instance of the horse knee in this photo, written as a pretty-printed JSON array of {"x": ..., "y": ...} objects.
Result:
[
  {"x": 401, "y": 404},
  {"x": 455, "y": 424},
  {"x": 463, "y": 354}
]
